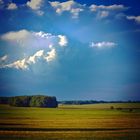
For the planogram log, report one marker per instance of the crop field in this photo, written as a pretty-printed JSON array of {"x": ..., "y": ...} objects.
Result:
[{"x": 71, "y": 122}]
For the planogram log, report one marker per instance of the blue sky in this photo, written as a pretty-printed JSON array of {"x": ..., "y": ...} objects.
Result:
[{"x": 82, "y": 49}]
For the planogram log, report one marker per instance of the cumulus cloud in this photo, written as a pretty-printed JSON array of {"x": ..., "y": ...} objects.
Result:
[
  {"x": 135, "y": 18},
  {"x": 32, "y": 4},
  {"x": 104, "y": 11},
  {"x": 20, "y": 64},
  {"x": 12, "y": 6},
  {"x": 46, "y": 43},
  {"x": 103, "y": 14},
  {"x": 60, "y": 40},
  {"x": 75, "y": 12},
  {"x": 63, "y": 40},
  {"x": 27, "y": 38},
  {"x": 33, "y": 58},
  {"x": 50, "y": 55},
  {"x": 103, "y": 44},
  {"x": 16, "y": 35},
  {"x": 70, "y": 6},
  {"x": 3, "y": 58},
  {"x": 1, "y": 1},
  {"x": 25, "y": 63},
  {"x": 114, "y": 7},
  {"x": 35, "y": 4},
  {"x": 43, "y": 34}
]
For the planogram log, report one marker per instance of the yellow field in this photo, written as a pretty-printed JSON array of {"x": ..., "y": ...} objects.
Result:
[{"x": 86, "y": 122}]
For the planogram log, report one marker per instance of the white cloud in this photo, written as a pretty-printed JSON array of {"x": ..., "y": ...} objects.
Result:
[
  {"x": 63, "y": 40},
  {"x": 1, "y": 1},
  {"x": 20, "y": 64},
  {"x": 103, "y": 14},
  {"x": 135, "y": 18},
  {"x": 105, "y": 11},
  {"x": 35, "y": 4},
  {"x": 70, "y": 6},
  {"x": 114, "y": 7},
  {"x": 32, "y": 59},
  {"x": 16, "y": 35},
  {"x": 12, "y": 6},
  {"x": 75, "y": 12},
  {"x": 50, "y": 55},
  {"x": 61, "y": 7},
  {"x": 103, "y": 44},
  {"x": 24, "y": 64},
  {"x": 43, "y": 35},
  {"x": 46, "y": 43},
  {"x": 27, "y": 38},
  {"x": 39, "y": 12},
  {"x": 3, "y": 58}
]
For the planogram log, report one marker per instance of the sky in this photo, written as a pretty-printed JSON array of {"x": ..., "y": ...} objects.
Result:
[{"x": 74, "y": 50}]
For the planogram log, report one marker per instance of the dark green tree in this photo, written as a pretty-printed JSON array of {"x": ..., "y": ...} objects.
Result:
[{"x": 33, "y": 101}]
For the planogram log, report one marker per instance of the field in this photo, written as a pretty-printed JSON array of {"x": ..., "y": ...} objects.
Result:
[{"x": 71, "y": 122}]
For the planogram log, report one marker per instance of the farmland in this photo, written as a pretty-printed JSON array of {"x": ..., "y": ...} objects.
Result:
[{"x": 79, "y": 122}]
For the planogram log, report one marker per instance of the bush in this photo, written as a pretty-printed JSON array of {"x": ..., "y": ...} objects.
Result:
[
  {"x": 119, "y": 108},
  {"x": 112, "y": 107}
]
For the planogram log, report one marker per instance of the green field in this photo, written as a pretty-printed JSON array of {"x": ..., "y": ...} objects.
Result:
[{"x": 71, "y": 122}]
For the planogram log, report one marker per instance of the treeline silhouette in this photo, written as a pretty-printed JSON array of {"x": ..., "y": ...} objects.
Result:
[
  {"x": 49, "y": 101},
  {"x": 82, "y": 102},
  {"x": 30, "y": 101}
]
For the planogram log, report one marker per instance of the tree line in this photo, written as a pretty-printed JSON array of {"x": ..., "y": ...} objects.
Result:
[
  {"x": 30, "y": 101},
  {"x": 49, "y": 101},
  {"x": 82, "y": 102}
]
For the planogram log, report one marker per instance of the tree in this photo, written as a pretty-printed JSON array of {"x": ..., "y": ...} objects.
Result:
[
  {"x": 43, "y": 101},
  {"x": 33, "y": 101},
  {"x": 21, "y": 101},
  {"x": 4, "y": 100}
]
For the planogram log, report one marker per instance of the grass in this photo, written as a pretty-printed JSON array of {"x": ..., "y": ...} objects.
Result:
[{"x": 79, "y": 122}]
